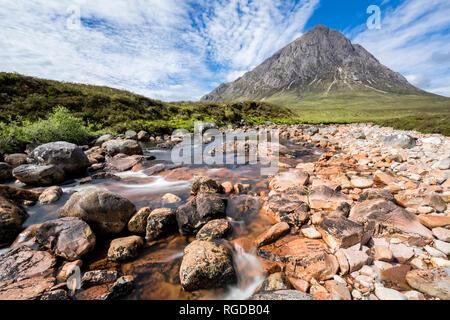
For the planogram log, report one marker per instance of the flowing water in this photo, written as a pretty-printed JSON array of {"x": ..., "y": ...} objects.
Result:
[{"x": 157, "y": 267}]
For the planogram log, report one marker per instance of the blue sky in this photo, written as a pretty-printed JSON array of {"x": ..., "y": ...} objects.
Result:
[{"x": 181, "y": 50}]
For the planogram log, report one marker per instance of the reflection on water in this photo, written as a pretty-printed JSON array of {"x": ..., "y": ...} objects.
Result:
[{"x": 157, "y": 267}]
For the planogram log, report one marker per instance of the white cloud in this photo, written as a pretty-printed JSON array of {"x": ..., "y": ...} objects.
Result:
[{"x": 412, "y": 42}]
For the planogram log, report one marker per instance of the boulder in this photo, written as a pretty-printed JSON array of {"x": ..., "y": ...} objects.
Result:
[
  {"x": 98, "y": 277},
  {"x": 356, "y": 259},
  {"x": 290, "y": 207},
  {"x": 243, "y": 207},
  {"x": 70, "y": 238},
  {"x": 204, "y": 184},
  {"x": 36, "y": 175},
  {"x": 100, "y": 141},
  {"x": 391, "y": 218},
  {"x": 123, "y": 249},
  {"x": 66, "y": 156},
  {"x": 130, "y": 134},
  {"x": 340, "y": 232},
  {"x": 170, "y": 198},
  {"x": 16, "y": 159},
  {"x": 193, "y": 215},
  {"x": 11, "y": 219},
  {"x": 442, "y": 234},
  {"x": 434, "y": 221},
  {"x": 18, "y": 194},
  {"x": 160, "y": 223},
  {"x": 206, "y": 265},
  {"x": 128, "y": 147},
  {"x": 215, "y": 229},
  {"x": 338, "y": 289},
  {"x": 24, "y": 263},
  {"x": 120, "y": 164},
  {"x": 325, "y": 198},
  {"x": 285, "y": 180},
  {"x": 371, "y": 194},
  {"x": 5, "y": 172},
  {"x": 50, "y": 195},
  {"x": 434, "y": 282},
  {"x": 401, "y": 140},
  {"x": 26, "y": 289},
  {"x": 105, "y": 212},
  {"x": 138, "y": 222},
  {"x": 143, "y": 136}
]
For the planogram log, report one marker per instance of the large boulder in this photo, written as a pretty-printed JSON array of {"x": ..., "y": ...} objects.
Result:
[
  {"x": 36, "y": 175},
  {"x": 105, "y": 212},
  {"x": 11, "y": 219},
  {"x": 23, "y": 263},
  {"x": 5, "y": 172},
  {"x": 160, "y": 223},
  {"x": 434, "y": 282},
  {"x": 401, "y": 140},
  {"x": 197, "y": 212},
  {"x": 206, "y": 265},
  {"x": 70, "y": 238},
  {"x": 128, "y": 147},
  {"x": 67, "y": 156},
  {"x": 392, "y": 219}
]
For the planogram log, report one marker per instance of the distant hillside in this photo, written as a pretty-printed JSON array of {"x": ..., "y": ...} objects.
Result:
[{"x": 103, "y": 107}]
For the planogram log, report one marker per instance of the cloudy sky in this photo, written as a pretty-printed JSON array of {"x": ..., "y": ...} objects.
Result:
[{"x": 181, "y": 50}]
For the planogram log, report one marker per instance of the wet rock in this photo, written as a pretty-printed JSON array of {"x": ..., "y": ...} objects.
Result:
[
  {"x": 50, "y": 195},
  {"x": 121, "y": 164},
  {"x": 240, "y": 188},
  {"x": 170, "y": 198},
  {"x": 16, "y": 159},
  {"x": 70, "y": 238},
  {"x": 204, "y": 185},
  {"x": 100, "y": 141},
  {"x": 275, "y": 282},
  {"x": 11, "y": 219},
  {"x": 36, "y": 175},
  {"x": 434, "y": 221},
  {"x": 123, "y": 249},
  {"x": 157, "y": 168},
  {"x": 401, "y": 140},
  {"x": 122, "y": 287},
  {"x": 289, "y": 295},
  {"x": 5, "y": 172},
  {"x": 227, "y": 187},
  {"x": 285, "y": 180},
  {"x": 339, "y": 232},
  {"x": 23, "y": 263},
  {"x": 442, "y": 234},
  {"x": 105, "y": 212},
  {"x": 391, "y": 218},
  {"x": 303, "y": 258},
  {"x": 215, "y": 229},
  {"x": 68, "y": 270},
  {"x": 26, "y": 237},
  {"x": 206, "y": 265},
  {"x": 138, "y": 222},
  {"x": 128, "y": 147},
  {"x": 161, "y": 222},
  {"x": 98, "y": 277},
  {"x": 196, "y": 213},
  {"x": 383, "y": 293},
  {"x": 26, "y": 289},
  {"x": 323, "y": 197},
  {"x": 272, "y": 234},
  {"x": 434, "y": 282},
  {"x": 243, "y": 207},
  {"x": 18, "y": 195}
]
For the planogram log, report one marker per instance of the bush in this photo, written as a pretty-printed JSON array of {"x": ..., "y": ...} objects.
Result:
[{"x": 61, "y": 125}]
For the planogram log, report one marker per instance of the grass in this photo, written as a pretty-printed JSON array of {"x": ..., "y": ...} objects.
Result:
[{"x": 425, "y": 113}]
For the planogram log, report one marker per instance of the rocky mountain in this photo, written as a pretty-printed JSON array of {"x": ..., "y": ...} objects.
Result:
[{"x": 321, "y": 61}]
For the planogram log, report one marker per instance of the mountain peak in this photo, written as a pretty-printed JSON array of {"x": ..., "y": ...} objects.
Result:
[{"x": 321, "y": 61}]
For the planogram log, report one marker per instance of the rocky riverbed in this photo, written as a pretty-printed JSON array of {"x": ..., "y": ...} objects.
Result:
[{"x": 356, "y": 212}]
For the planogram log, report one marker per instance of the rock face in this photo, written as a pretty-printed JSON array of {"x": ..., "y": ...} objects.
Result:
[
  {"x": 196, "y": 213},
  {"x": 161, "y": 222},
  {"x": 105, "y": 212},
  {"x": 390, "y": 217},
  {"x": 66, "y": 156},
  {"x": 11, "y": 219},
  {"x": 23, "y": 263},
  {"x": 124, "y": 248},
  {"x": 215, "y": 229},
  {"x": 400, "y": 140},
  {"x": 322, "y": 60},
  {"x": 128, "y": 147},
  {"x": 206, "y": 265},
  {"x": 70, "y": 238},
  {"x": 36, "y": 175},
  {"x": 339, "y": 232},
  {"x": 434, "y": 282}
]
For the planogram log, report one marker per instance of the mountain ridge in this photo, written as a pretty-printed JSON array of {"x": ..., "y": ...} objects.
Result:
[{"x": 320, "y": 61}]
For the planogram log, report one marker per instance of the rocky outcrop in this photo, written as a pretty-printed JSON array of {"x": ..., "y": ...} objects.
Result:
[
  {"x": 69, "y": 238},
  {"x": 105, "y": 212},
  {"x": 206, "y": 265},
  {"x": 205, "y": 207}
]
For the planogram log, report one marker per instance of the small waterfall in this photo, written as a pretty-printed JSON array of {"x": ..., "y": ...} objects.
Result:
[{"x": 250, "y": 274}]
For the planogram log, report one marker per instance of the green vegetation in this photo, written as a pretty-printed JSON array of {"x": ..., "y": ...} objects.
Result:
[
  {"x": 27, "y": 103},
  {"x": 426, "y": 113}
]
